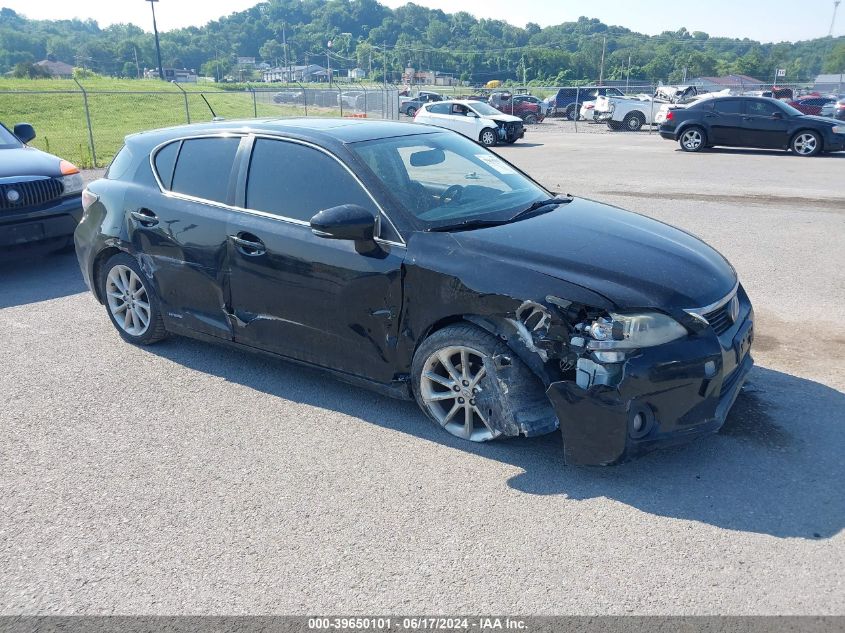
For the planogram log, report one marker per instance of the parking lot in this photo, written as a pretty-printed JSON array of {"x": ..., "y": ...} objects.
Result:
[{"x": 186, "y": 478}]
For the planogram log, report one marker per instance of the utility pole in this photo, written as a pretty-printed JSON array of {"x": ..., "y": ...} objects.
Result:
[
  {"x": 329, "y": 62},
  {"x": 137, "y": 67},
  {"x": 384, "y": 56},
  {"x": 285, "y": 46},
  {"x": 158, "y": 46},
  {"x": 601, "y": 72},
  {"x": 628, "y": 76}
]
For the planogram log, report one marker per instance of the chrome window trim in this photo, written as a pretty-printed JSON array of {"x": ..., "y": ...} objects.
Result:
[
  {"x": 257, "y": 212},
  {"x": 699, "y": 313}
]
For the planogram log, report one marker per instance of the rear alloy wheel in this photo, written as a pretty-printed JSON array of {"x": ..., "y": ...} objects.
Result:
[
  {"x": 806, "y": 143},
  {"x": 571, "y": 113},
  {"x": 412, "y": 112},
  {"x": 130, "y": 301},
  {"x": 693, "y": 140},
  {"x": 633, "y": 121},
  {"x": 530, "y": 119},
  {"x": 488, "y": 137}
]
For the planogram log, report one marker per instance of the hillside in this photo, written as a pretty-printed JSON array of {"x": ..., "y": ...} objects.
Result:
[{"x": 475, "y": 50}]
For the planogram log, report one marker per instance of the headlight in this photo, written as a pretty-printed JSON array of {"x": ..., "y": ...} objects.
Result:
[
  {"x": 631, "y": 331},
  {"x": 72, "y": 184},
  {"x": 839, "y": 129}
]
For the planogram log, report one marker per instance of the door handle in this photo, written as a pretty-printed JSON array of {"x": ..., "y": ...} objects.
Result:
[
  {"x": 145, "y": 217},
  {"x": 252, "y": 247}
]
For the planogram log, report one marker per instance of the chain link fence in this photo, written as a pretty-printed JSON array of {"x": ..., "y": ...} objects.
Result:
[{"x": 87, "y": 126}]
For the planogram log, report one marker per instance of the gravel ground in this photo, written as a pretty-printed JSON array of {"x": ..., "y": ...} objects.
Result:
[{"x": 186, "y": 478}]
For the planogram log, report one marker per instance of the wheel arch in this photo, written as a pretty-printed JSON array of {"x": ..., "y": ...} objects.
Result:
[
  {"x": 807, "y": 129},
  {"x": 99, "y": 260}
]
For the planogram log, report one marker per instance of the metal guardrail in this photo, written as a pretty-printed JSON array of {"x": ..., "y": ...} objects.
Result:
[{"x": 87, "y": 126}]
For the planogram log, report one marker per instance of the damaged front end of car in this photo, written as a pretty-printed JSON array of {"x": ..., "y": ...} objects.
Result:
[{"x": 618, "y": 384}]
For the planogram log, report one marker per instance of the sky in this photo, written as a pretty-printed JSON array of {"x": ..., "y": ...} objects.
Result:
[{"x": 764, "y": 20}]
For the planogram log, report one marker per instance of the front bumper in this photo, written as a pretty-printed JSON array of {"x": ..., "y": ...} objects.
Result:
[
  {"x": 48, "y": 223},
  {"x": 682, "y": 390}
]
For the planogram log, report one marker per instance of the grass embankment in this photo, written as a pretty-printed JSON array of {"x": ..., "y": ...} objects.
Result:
[{"x": 119, "y": 107}]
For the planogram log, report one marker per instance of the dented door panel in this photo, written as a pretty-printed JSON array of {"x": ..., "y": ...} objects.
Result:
[{"x": 317, "y": 300}]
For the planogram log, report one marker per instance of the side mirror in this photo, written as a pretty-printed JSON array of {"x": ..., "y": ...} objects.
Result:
[
  {"x": 472, "y": 114},
  {"x": 345, "y": 222},
  {"x": 25, "y": 132}
]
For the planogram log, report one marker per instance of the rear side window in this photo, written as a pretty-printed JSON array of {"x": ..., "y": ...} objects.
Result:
[
  {"x": 728, "y": 106},
  {"x": 165, "y": 161},
  {"x": 120, "y": 164},
  {"x": 295, "y": 181},
  {"x": 439, "y": 108},
  {"x": 204, "y": 166}
]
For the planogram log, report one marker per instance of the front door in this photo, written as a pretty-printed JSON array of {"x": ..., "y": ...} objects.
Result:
[
  {"x": 307, "y": 297},
  {"x": 765, "y": 125},
  {"x": 182, "y": 231}
]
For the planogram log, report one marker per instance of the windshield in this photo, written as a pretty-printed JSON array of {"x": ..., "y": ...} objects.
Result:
[
  {"x": 7, "y": 139},
  {"x": 484, "y": 109},
  {"x": 444, "y": 179}
]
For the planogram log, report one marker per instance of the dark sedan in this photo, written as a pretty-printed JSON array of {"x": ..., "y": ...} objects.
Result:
[
  {"x": 40, "y": 195},
  {"x": 410, "y": 260},
  {"x": 758, "y": 122}
]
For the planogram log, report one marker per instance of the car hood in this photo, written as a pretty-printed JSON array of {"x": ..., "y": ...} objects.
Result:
[
  {"x": 632, "y": 260},
  {"x": 817, "y": 119},
  {"x": 28, "y": 161},
  {"x": 502, "y": 118}
]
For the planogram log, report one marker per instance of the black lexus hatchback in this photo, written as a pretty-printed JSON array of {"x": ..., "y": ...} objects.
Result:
[{"x": 410, "y": 260}]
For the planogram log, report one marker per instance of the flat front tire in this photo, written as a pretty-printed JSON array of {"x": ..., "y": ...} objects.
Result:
[
  {"x": 488, "y": 137},
  {"x": 693, "y": 139},
  {"x": 131, "y": 301}
]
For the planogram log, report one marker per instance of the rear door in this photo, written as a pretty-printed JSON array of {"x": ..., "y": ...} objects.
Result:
[
  {"x": 765, "y": 125},
  {"x": 726, "y": 125},
  {"x": 307, "y": 297},
  {"x": 181, "y": 230}
]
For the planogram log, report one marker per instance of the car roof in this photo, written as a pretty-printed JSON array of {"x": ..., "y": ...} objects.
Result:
[
  {"x": 321, "y": 130},
  {"x": 461, "y": 101}
]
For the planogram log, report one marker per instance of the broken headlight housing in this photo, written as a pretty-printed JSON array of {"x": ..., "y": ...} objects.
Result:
[{"x": 632, "y": 331}]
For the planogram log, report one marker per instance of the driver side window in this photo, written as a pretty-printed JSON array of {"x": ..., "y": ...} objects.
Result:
[{"x": 761, "y": 108}]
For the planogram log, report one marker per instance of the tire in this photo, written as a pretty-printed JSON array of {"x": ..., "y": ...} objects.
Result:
[
  {"x": 530, "y": 119},
  {"x": 116, "y": 274},
  {"x": 488, "y": 137},
  {"x": 693, "y": 139},
  {"x": 571, "y": 112},
  {"x": 806, "y": 143},
  {"x": 411, "y": 112},
  {"x": 633, "y": 122},
  {"x": 461, "y": 415}
]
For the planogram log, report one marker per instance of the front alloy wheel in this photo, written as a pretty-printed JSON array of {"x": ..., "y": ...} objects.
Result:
[
  {"x": 806, "y": 144},
  {"x": 452, "y": 380}
]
